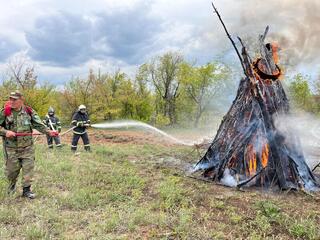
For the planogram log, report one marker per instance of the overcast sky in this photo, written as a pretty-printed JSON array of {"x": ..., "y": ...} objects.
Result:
[{"x": 65, "y": 38}]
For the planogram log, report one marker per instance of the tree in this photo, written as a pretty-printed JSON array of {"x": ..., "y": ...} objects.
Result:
[
  {"x": 21, "y": 74},
  {"x": 300, "y": 92},
  {"x": 143, "y": 104},
  {"x": 41, "y": 98},
  {"x": 163, "y": 72},
  {"x": 201, "y": 85},
  {"x": 78, "y": 91},
  {"x": 22, "y": 71}
]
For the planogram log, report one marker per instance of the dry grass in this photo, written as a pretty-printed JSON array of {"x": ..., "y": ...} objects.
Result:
[{"x": 136, "y": 191}]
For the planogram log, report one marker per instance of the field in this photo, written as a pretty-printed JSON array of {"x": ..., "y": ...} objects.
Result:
[{"x": 133, "y": 187}]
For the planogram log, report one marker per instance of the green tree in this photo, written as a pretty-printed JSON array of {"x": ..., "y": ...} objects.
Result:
[
  {"x": 300, "y": 93},
  {"x": 22, "y": 75},
  {"x": 163, "y": 72},
  {"x": 144, "y": 99},
  {"x": 41, "y": 98},
  {"x": 201, "y": 85}
]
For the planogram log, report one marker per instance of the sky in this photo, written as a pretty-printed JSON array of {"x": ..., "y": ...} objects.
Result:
[{"x": 66, "y": 38}]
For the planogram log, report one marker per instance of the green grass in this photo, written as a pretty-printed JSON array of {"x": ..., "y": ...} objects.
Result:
[{"x": 127, "y": 191}]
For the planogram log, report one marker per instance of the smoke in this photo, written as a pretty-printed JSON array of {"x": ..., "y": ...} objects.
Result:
[
  {"x": 307, "y": 128},
  {"x": 228, "y": 179},
  {"x": 294, "y": 25}
]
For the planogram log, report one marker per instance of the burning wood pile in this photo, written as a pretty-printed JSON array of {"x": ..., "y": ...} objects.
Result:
[{"x": 248, "y": 149}]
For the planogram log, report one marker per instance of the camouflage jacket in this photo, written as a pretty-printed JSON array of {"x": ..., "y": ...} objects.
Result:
[
  {"x": 56, "y": 124},
  {"x": 22, "y": 121}
]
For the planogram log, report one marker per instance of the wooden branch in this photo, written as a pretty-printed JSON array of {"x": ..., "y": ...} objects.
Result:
[
  {"x": 250, "y": 179},
  {"x": 230, "y": 38},
  {"x": 155, "y": 84},
  {"x": 192, "y": 95},
  {"x": 315, "y": 167},
  {"x": 176, "y": 91},
  {"x": 263, "y": 37}
]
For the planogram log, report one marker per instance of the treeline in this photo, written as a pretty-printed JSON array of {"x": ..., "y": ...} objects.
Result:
[
  {"x": 167, "y": 90},
  {"x": 304, "y": 93}
]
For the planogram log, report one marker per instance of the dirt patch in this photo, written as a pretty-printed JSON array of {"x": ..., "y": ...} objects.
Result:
[{"x": 117, "y": 137}]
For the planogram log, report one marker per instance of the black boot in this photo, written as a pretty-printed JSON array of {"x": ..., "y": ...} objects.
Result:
[
  {"x": 12, "y": 188},
  {"x": 27, "y": 193},
  {"x": 87, "y": 148}
]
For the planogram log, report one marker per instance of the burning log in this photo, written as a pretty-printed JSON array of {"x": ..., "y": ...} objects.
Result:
[{"x": 248, "y": 147}]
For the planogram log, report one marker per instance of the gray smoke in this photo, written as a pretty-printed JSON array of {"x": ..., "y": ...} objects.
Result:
[
  {"x": 228, "y": 179},
  {"x": 307, "y": 128},
  {"x": 294, "y": 25}
]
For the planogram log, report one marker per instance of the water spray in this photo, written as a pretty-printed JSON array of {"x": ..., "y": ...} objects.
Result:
[{"x": 127, "y": 124}]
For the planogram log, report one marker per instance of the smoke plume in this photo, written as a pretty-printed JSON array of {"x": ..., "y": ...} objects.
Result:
[
  {"x": 307, "y": 128},
  {"x": 294, "y": 24}
]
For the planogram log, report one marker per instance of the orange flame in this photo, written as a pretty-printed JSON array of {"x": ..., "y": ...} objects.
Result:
[
  {"x": 265, "y": 155},
  {"x": 275, "y": 55},
  {"x": 252, "y": 159}
]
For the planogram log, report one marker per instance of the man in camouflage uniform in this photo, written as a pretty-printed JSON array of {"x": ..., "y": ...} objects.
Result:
[
  {"x": 17, "y": 122},
  {"x": 53, "y": 123},
  {"x": 81, "y": 122}
]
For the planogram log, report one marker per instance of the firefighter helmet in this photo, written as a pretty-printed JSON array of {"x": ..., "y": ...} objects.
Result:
[
  {"x": 82, "y": 107},
  {"x": 51, "y": 110}
]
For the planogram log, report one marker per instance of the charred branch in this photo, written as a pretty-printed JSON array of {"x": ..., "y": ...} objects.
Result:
[{"x": 228, "y": 35}]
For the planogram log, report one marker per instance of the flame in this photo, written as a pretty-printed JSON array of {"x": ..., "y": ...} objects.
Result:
[
  {"x": 265, "y": 155},
  {"x": 252, "y": 159},
  {"x": 275, "y": 55}
]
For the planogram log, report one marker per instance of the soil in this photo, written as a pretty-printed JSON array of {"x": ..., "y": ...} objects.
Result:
[{"x": 124, "y": 137}]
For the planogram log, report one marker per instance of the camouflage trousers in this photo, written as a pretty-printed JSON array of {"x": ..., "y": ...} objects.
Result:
[{"x": 17, "y": 159}]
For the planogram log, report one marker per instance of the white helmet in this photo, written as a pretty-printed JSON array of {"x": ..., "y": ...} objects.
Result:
[
  {"x": 81, "y": 107},
  {"x": 51, "y": 110}
]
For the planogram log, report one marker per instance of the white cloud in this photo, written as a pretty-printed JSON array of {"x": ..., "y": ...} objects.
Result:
[{"x": 141, "y": 29}]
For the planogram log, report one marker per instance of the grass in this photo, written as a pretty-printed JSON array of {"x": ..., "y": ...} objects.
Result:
[{"x": 132, "y": 191}]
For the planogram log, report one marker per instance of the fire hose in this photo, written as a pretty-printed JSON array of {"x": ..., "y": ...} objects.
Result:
[
  {"x": 50, "y": 123},
  {"x": 70, "y": 129},
  {"x": 21, "y": 134}
]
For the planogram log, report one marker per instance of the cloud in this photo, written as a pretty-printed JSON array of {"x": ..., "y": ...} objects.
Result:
[
  {"x": 129, "y": 33},
  {"x": 62, "y": 39},
  {"x": 59, "y": 74},
  {"x": 7, "y": 48},
  {"x": 66, "y": 39}
]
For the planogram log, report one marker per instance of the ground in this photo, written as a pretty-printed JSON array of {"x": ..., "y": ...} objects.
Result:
[{"x": 133, "y": 186}]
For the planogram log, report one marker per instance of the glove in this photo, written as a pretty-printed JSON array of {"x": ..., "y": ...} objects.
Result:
[
  {"x": 80, "y": 124},
  {"x": 53, "y": 133}
]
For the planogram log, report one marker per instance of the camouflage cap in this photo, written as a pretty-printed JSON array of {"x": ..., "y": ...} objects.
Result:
[{"x": 16, "y": 94}]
